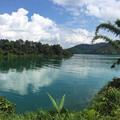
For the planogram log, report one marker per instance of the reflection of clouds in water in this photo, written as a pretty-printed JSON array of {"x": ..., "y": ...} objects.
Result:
[
  {"x": 20, "y": 81},
  {"x": 77, "y": 70},
  {"x": 86, "y": 70},
  {"x": 84, "y": 67},
  {"x": 71, "y": 66}
]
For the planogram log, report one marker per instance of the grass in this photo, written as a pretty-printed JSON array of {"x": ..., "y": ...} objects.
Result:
[{"x": 105, "y": 106}]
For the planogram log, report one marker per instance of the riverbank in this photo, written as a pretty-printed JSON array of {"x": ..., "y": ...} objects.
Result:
[{"x": 104, "y": 106}]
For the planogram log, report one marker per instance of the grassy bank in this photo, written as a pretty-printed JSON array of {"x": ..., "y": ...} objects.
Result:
[{"x": 104, "y": 106}]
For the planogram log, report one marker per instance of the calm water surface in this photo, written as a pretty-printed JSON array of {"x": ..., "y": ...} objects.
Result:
[{"x": 25, "y": 81}]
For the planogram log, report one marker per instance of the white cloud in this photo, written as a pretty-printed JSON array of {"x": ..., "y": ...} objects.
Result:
[
  {"x": 76, "y": 36},
  {"x": 19, "y": 82},
  {"x": 17, "y": 25},
  {"x": 104, "y": 9}
]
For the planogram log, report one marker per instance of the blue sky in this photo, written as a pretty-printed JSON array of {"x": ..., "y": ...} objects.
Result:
[
  {"x": 43, "y": 7},
  {"x": 46, "y": 8},
  {"x": 67, "y": 22}
]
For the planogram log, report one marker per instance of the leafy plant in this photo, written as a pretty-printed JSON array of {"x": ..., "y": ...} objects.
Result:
[
  {"x": 107, "y": 101},
  {"x": 113, "y": 28},
  {"x": 6, "y": 106},
  {"x": 58, "y": 106},
  {"x": 91, "y": 114}
]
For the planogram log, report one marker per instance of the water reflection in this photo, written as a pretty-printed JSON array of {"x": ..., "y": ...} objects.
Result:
[
  {"x": 25, "y": 81},
  {"x": 20, "y": 74},
  {"x": 21, "y": 63},
  {"x": 87, "y": 64}
]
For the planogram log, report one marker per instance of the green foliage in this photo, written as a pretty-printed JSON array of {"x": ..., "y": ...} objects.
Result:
[
  {"x": 113, "y": 28},
  {"x": 6, "y": 106},
  {"x": 23, "y": 48},
  {"x": 91, "y": 114},
  {"x": 107, "y": 102},
  {"x": 107, "y": 39},
  {"x": 58, "y": 107},
  {"x": 115, "y": 83},
  {"x": 109, "y": 27}
]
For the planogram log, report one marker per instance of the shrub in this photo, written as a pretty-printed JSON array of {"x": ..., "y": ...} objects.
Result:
[
  {"x": 107, "y": 101},
  {"x": 6, "y": 106}
]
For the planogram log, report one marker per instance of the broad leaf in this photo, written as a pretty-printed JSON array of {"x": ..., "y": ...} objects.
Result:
[
  {"x": 62, "y": 103},
  {"x": 53, "y": 102}
]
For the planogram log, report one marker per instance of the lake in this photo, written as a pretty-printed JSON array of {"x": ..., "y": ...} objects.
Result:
[{"x": 26, "y": 81}]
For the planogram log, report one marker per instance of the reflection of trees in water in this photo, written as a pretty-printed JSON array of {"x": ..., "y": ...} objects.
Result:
[{"x": 21, "y": 63}]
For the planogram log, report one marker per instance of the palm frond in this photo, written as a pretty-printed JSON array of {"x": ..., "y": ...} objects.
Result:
[
  {"x": 117, "y": 22},
  {"x": 115, "y": 63},
  {"x": 101, "y": 37},
  {"x": 113, "y": 28},
  {"x": 107, "y": 40},
  {"x": 109, "y": 27}
]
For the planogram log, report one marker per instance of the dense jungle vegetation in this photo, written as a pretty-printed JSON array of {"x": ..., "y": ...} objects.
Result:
[{"x": 23, "y": 48}]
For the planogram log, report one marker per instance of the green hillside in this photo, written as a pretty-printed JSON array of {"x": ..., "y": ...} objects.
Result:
[{"x": 99, "y": 48}]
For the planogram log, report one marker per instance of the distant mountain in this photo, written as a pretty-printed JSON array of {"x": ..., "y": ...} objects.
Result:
[{"x": 99, "y": 48}]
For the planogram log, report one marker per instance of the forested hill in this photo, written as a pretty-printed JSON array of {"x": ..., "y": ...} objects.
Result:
[
  {"x": 99, "y": 48},
  {"x": 22, "y": 48}
]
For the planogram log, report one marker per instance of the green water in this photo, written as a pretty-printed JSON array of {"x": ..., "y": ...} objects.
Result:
[{"x": 25, "y": 81}]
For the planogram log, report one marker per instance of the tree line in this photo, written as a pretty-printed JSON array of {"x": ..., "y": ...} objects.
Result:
[{"x": 20, "y": 47}]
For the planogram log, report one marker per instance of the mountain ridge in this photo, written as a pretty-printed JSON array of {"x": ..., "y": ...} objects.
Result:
[{"x": 98, "y": 48}]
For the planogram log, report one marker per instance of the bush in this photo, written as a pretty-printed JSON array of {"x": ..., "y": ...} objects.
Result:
[
  {"x": 107, "y": 101},
  {"x": 6, "y": 106}
]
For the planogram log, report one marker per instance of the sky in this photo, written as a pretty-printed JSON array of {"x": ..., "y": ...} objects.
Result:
[{"x": 64, "y": 22}]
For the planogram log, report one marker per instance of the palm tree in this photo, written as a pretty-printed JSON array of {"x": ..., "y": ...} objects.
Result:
[{"x": 113, "y": 28}]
